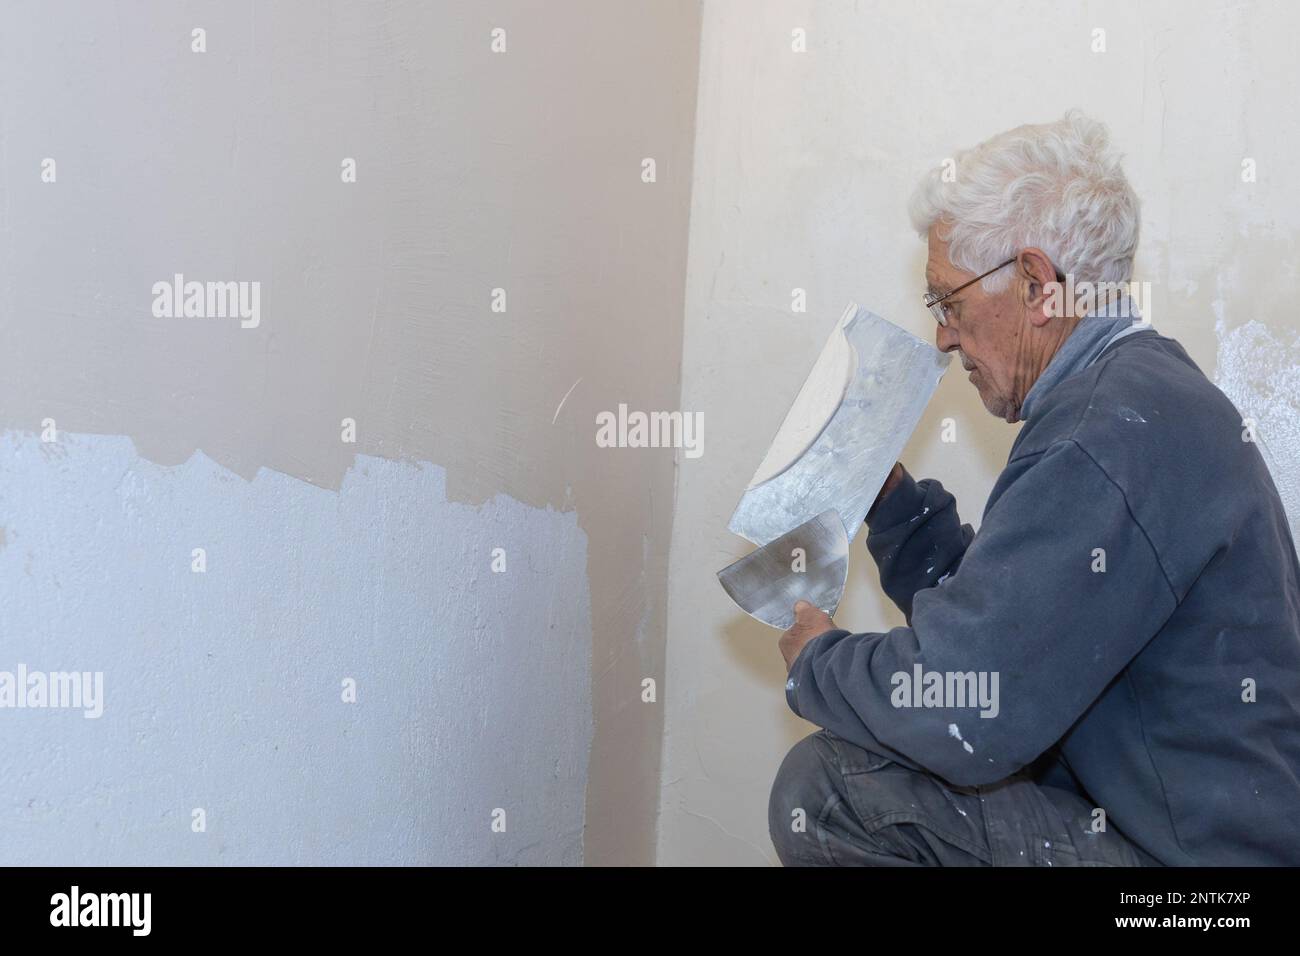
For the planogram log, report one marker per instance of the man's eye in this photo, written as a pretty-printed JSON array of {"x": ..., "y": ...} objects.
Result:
[{"x": 948, "y": 310}]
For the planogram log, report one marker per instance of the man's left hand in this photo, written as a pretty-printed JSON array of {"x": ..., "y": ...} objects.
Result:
[{"x": 809, "y": 622}]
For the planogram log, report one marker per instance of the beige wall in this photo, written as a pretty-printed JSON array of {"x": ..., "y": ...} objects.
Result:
[{"x": 803, "y": 166}]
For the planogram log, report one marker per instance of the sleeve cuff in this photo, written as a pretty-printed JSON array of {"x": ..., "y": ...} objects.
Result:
[{"x": 795, "y": 677}]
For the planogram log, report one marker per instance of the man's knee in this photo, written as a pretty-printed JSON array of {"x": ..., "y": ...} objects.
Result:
[
  {"x": 824, "y": 790},
  {"x": 800, "y": 790}
]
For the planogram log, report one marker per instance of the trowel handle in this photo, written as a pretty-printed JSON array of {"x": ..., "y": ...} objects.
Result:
[{"x": 892, "y": 481}]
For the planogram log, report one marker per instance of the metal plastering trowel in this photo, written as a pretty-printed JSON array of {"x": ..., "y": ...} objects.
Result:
[
  {"x": 845, "y": 430},
  {"x": 811, "y": 562},
  {"x": 837, "y": 444}
]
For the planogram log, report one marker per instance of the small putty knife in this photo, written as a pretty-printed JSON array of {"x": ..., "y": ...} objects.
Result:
[{"x": 810, "y": 562}]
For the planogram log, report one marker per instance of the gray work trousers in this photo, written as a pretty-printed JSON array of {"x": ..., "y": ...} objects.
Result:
[{"x": 836, "y": 804}]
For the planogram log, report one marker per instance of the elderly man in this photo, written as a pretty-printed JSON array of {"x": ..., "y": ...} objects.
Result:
[{"x": 1108, "y": 673}]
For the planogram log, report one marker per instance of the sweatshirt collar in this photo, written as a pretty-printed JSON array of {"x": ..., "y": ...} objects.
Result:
[{"x": 1083, "y": 346}]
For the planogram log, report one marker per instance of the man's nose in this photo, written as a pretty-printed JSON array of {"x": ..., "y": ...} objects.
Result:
[{"x": 946, "y": 338}]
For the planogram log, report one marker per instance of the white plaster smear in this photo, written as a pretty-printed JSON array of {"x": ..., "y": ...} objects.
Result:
[
  {"x": 817, "y": 401},
  {"x": 1260, "y": 372},
  {"x": 222, "y": 690}
]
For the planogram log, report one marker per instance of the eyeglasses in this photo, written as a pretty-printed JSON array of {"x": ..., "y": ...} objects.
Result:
[{"x": 934, "y": 302}]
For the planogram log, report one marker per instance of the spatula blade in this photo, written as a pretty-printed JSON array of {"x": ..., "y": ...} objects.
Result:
[{"x": 767, "y": 583}]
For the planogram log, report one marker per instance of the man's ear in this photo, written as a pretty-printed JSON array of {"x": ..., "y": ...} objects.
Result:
[{"x": 1039, "y": 275}]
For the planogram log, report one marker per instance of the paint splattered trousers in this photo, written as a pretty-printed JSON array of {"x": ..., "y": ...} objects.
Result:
[{"x": 836, "y": 804}]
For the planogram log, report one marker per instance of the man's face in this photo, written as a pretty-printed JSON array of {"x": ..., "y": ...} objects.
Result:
[{"x": 989, "y": 332}]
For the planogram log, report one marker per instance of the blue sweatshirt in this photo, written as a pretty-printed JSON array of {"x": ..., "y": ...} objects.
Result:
[{"x": 1134, "y": 592}]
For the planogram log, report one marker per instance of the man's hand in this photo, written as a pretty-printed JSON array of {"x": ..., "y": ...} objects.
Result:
[{"x": 809, "y": 622}]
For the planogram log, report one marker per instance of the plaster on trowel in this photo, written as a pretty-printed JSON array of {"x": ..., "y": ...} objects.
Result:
[{"x": 842, "y": 435}]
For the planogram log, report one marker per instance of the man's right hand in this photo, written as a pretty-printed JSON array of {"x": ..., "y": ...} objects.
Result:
[{"x": 891, "y": 482}]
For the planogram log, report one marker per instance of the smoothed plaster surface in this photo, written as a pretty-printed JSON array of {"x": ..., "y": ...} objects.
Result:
[{"x": 223, "y": 690}]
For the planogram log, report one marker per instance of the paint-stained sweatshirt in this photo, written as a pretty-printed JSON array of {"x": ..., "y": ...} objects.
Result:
[{"x": 1135, "y": 589}]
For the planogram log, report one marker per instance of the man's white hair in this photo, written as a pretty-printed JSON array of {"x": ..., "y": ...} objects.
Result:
[{"x": 1055, "y": 186}]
